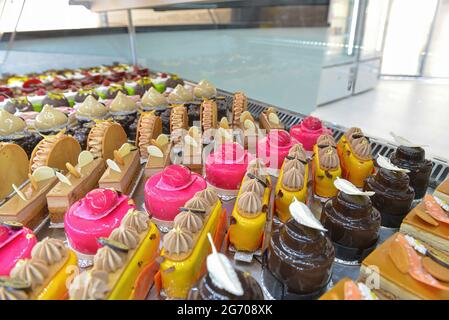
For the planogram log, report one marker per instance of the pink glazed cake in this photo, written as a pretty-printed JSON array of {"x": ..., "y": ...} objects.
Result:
[
  {"x": 226, "y": 167},
  {"x": 169, "y": 190},
  {"x": 95, "y": 216},
  {"x": 273, "y": 148},
  {"x": 308, "y": 131},
  {"x": 16, "y": 242}
]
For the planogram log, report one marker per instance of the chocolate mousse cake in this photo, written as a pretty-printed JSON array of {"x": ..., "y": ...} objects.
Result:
[
  {"x": 393, "y": 194},
  {"x": 56, "y": 100},
  {"x": 352, "y": 222},
  {"x": 299, "y": 259},
  {"x": 123, "y": 110},
  {"x": 413, "y": 159}
]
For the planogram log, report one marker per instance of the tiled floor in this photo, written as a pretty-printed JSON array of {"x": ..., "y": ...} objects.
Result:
[{"x": 417, "y": 110}]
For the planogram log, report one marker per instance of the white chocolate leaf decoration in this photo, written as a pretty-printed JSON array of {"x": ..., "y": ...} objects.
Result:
[
  {"x": 222, "y": 272},
  {"x": 125, "y": 149},
  {"x": 194, "y": 132},
  {"x": 347, "y": 187},
  {"x": 405, "y": 142},
  {"x": 386, "y": 164},
  {"x": 224, "y": 133},
  {"x": 273, "y": 118},
  {"x": 302, "y": 214},
  {"x": 63, "y": 178},
  {"x": 224, "y": 123},
  {"x": 188, "y": 140},
  {"x": 114, "y": 166},
  {"x": 162, "y": 139},
  {"x": 248, "y": 124},
  {"x": 19, "y": 193},
  {"x": 155, "y": 151},
  {"x": 43, "y": 173},
  {"x": 84, "y": 158}
]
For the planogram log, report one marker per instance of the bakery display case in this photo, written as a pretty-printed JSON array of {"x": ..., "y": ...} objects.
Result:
[{"x": 157, "y": 165}]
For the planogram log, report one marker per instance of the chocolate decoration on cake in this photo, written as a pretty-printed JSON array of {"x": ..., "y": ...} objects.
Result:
[
  {"x": 300, "y": 258},
  {"x": 353, "y": 225},
  {"x": 413, "y": 159},
  {"x": 393, "y": 195}
]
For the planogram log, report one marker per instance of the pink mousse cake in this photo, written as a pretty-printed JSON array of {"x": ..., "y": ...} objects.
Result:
[
  {"x": 308, "y": 131},
  {"x": 169, "y": 190},
  {"x": 16, "y": 243},
  {"x": 273, "y": 148},
  {"x": 95, "y": 216},
  {"x": 226, "y": 167}
]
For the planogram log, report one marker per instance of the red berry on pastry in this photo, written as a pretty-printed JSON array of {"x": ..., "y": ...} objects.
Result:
[{"x": 101, "y": 200}]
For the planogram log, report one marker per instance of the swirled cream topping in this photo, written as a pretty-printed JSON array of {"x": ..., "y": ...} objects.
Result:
[
  {"x": 12, "y": 294},
  {"x": 328, "y": 158},
  {"x": 205, "y": 89},
  {"x": 293, "y": 179},
  {"x": 180, "y": 95},
  {"x": 49, "y": 250},
  {"x": 353, "y": 131},
  {"x": 10, "y": 124},
  {"x": 90, "y": 285},
  {"x": 91, "y": 109},
  {"x": 249, "y": 203},
  {"x": 326, "y": 140},
  {"x": 43, "y": 150},
  {"x": 178, "y": 241},
  {"x": 361, "y": 148},
  {"x": 177, "y": 117},
  {"x": 209, "y": 195},
  {"x": 297, "y": 151},
  {"x": 295, "y": 163},
  {"x": 153, "y": 98},
  {"x": 189, "y": 221},
  {"x": 137, "y": 220},
  {"x": 32, "y": 271},
  {"x": 126, "y": 235},
  {"x": 253, "y": 185},
  {"x": 197, "y": 203},
  {"x": 108, "y": 259},
  {"x": 146, "y": 127},
  {"x": 95, "y": 138},
  {"x": 50, "y": 118},
  {"x": 123, "y": 104},
  {"x": 239, "y": 105},
  {"x": 207, "y": 119}
]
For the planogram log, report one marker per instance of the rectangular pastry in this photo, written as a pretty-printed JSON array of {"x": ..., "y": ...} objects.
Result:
[
  {"x": 442, "y": 191},
  {"x": 269, "y": 119},
  {"x": 63, "y": 195},
  {"x": 158, "y": 159}
]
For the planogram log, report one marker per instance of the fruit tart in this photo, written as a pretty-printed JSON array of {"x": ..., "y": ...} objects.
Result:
[
  {"x": 158, "y": 155},
  {"x": 393, "y": 194},
  {"x": 167, "y": 191},
  {"x": 308, "y": 131},
  {"x": 429, "y": 222},
  {"x": 347, "y": 289},
  {"x": 412, "y": 157},
  {"x": 352, "y": 222},
  {"x": 299, "y": 257},
  {"x": 123, "y": 171},
  {"x": 356, "y": 160},
  {"x": 86, "y": 114},
  {"x": 123, "y": 110},
  {"x": 250, "y": 211},
  {"x": 407, "y": 269},
  {"x": 105, "y": 138},
  {"x": 13, "y": 130},
  {"x": 80, "y": 179},
  {"x": 56, "y": 100},
  {"x": 223, "y": 282},
  {"x": 269, "y": 120},
  {"x": 226, "y": 167},
  {"x": 43, "y": 276},
  {"x": 185, "y": 247},
  {"x": 124, "y": 266},
  {"x": 92, "y": 217},
  {"x": 292, "y": 182},
  {"x": 16, "y": 243}
]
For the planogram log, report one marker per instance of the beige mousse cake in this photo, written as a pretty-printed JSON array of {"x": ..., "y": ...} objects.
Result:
[
  {"x": 123, "y": 171},
  {"x": 442, "y": 191},
  {"x": 395, "y": 279},
  {"x": 83, "y": 178}
]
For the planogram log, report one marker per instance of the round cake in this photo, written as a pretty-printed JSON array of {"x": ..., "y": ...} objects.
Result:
[
  {"x": 274, "y": 148},
  {"x": 308, "y": 131}
]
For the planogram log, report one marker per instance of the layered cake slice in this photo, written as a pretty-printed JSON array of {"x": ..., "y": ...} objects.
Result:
[
  {"x": 123, "y": 170},
  {"x": 269, "y": 119},
  {"x": 403, "y": 268},
  {"x": 192, "y": 150},
  {"x": 429, "y": 222},
  {"x": 158, "y": 155},
  {"x": 80, "y": 180},
  {"x": 442, "y": 191}
]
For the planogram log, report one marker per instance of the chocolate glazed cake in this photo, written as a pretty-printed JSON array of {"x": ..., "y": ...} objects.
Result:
[
  {"x": 205, "y": 289},
  {"x": 353, "y": 225},
  {"x": 393, "y": 195},
  {"x": 299, "y": 262},
  {"x": 413, "y": 159}
]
